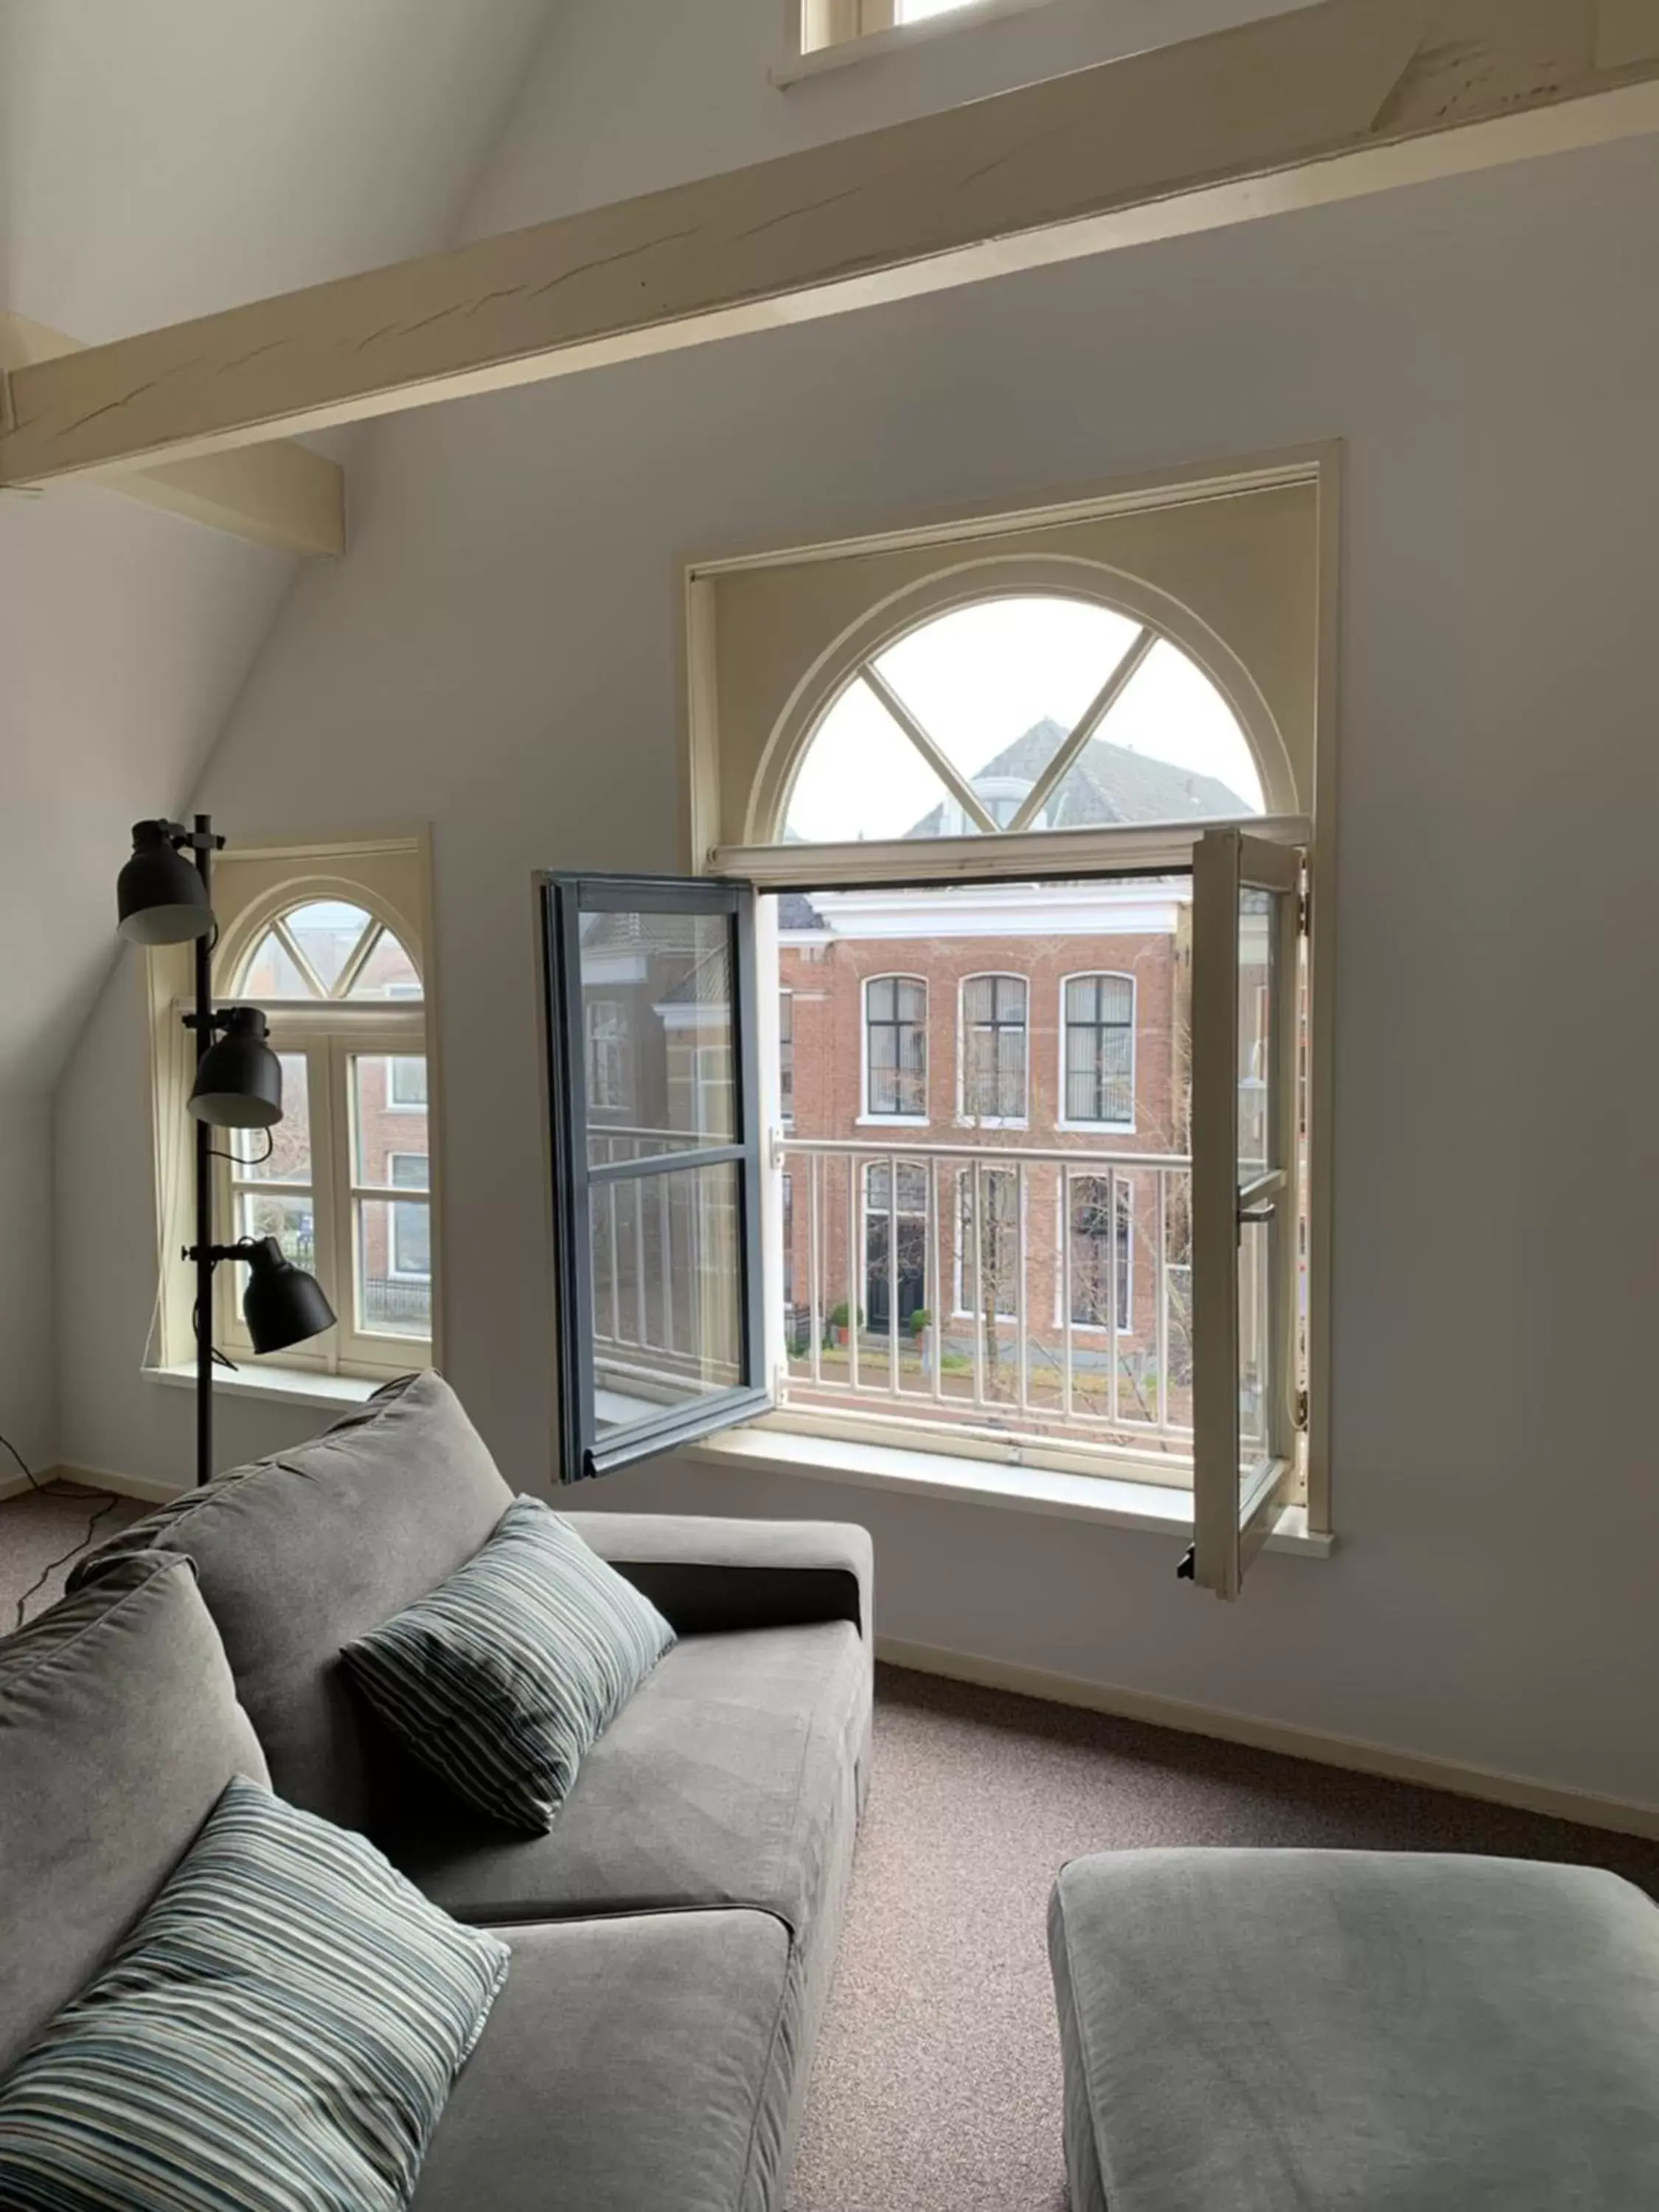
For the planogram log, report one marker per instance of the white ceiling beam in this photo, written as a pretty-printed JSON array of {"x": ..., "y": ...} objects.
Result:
[
  {"x": 1327, "y": 102},
  {"x": 276, "y": 494}
]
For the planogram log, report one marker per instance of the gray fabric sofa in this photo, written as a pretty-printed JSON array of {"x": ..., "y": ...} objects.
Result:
[
  {"x": 672, "y": 1938},
  {"x": 1250, "y": 2031}
]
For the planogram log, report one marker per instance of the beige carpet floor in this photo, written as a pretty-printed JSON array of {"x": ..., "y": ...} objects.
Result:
[
  {"x": 37, "y": 1529},
  {"x": 937, "y": 2086},
  {"x": 937, "y": 2083}
]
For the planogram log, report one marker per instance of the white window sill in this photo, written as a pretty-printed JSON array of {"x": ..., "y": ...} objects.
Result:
[
  {"x": 288, "y": 1385},
  {"x": 893, "y": 1122},
  {"x": 875, "y": 44},
  {"x": 1106, "y": 1501}
]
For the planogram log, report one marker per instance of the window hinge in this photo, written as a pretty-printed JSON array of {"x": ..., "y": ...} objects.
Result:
[
  {"x": 1304, "y": 913},
  {"x": 1302, "y": 1411}
]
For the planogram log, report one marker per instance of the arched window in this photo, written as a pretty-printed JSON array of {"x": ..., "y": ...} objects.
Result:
[
  {"x": 345, "y": 1181},
  {"x": 1018, "y": 712}
]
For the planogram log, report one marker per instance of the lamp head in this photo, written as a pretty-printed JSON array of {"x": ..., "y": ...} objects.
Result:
[
  {"x": 239, "y": 1080},
  {"x": 281, "y": 1305},
  {"x": 160, "y": 898}
]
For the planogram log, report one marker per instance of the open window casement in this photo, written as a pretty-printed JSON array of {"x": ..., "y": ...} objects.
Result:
[
  {"x": 653, "y": 1083},
  {"x": 1247, "y": 918}
]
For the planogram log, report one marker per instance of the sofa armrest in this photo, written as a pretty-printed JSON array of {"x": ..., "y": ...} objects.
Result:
[{"x": 708, "y": 1576}]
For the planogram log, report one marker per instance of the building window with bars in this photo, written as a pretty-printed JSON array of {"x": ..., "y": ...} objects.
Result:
[
  {"x": 1098, "y": 1043},
  {"x": 896, "y": 1048},
  {"x": 786, "y": 1058},
  {"x": 993, "y": 1055}
]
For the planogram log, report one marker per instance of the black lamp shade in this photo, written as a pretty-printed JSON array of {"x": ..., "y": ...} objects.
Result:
[
  {"x": 160, "y": 898},
  {"x": 239, "y": 1080},
  {"x": 281, "y": 1305}
]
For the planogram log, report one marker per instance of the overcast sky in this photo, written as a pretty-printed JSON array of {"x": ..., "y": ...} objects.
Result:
[{"x": 979, "y": 678}]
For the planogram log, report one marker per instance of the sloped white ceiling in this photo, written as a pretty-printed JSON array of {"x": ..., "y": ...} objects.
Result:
[{"x": 160, "y": 159}]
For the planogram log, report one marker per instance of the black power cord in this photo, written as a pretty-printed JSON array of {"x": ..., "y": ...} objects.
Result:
[{"x": 55, "y": 1490}]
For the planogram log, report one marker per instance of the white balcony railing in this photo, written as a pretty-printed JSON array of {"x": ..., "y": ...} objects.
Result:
[
  {"x": 1014, "y": 1293},
  {"x": 1029, "y": 1291}
]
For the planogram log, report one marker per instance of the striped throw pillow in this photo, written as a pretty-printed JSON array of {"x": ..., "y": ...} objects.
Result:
[
  {"x": 501, "y": 1679},
  {"x": 279, "y": 2033}
]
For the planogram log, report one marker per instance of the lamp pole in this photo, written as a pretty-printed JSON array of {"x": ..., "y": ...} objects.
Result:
[
  {"x": 161, "y": 900},
  {"x": 204, "y": 844}
]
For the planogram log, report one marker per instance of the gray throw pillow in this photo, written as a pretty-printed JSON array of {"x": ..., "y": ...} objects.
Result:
[
  {"x": 501, "y": 1679},
  {"x": 279, "y": 2031}
]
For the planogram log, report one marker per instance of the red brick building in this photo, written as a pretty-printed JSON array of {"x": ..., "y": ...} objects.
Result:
[{"x": 989, "y": 1054}]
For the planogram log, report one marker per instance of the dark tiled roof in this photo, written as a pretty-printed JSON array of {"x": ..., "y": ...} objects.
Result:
[
  {"x": 1106, "y": 784},
  {"x": 797, "y": 912}
]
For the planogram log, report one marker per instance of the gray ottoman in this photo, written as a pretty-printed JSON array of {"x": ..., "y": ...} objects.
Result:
[{"x": 1305, "y": 2031}]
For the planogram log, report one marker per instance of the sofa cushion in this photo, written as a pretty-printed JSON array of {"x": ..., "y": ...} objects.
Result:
[
  {"x": 726, "y": 1780},
  {"x": 628, "y": 2066},
  {"x": 119, "y": 1730},
  {"x": 281, "y": 2030},
  {"x": 300, "y": 1552},
  {"x": 1258, "y": 2029},
  {"x": 503, "y": 1677}
]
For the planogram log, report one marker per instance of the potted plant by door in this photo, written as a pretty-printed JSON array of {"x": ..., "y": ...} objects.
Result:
[{"x": 838, "y": 1323}]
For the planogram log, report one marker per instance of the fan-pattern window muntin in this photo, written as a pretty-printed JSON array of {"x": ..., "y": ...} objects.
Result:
[
  {"x": 995, "y": 1034},
  {"x": 1098, "y": 1046},
  {"x": 345, "y": 1002},
  {"x": 896, "y": 1048},
  {"x": 1006, "y": 796}
]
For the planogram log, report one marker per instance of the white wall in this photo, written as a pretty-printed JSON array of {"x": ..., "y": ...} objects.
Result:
[
  {"x": 498, "y": 655},
  {"x": 28, "y": 1379}
]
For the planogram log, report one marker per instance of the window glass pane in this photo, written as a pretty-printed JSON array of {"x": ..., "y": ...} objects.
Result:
[
  {"x": 994, "y": 1048},
  {"x": 290, "y": 1218},
  {"x": 1099, "y": 1045},
  {"x": 327, "y": 931},
  {"x": 997, "y": 687},
  {"x": 394, "y": 1267},
  {"x": 1170, "y": 751},
  {"x": 387, "y": 973},
  {"x": 861, "y": 777},
  {"x": 656, "y": 1014},
  {"x": 1255, "y": 939},
  {"x": 786, "y": 1058},
  {"x": 390, "y": 1143},
  {"x": 1254, "y": 1363},
  {"x": 895, "y": 1045},
  {"x": 668, "y": 1311},
  {"x": 288, "y": 1158},
  {"x": 271, "y": 972}
]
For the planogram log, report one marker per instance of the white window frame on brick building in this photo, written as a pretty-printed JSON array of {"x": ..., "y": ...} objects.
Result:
[
  {"x": 1235, "y": 569},
  {"x": 870, "y": 1112},
  {"x": 972, "y": 1027},
  {"x": 1065, "y": 1120}
]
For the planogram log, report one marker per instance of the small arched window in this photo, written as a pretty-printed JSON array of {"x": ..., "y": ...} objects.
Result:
[
  {"x": 345, "y": 1181},
  {"x": 1021, "y": 712}
]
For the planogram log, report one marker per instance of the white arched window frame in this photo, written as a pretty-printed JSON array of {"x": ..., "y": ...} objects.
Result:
[
  {"x": 851, "y": 657},
  {"x": 360, "y": 1057},
  {"x": 993, "y": 1050},
  {"x": 1247, "y": 589}
]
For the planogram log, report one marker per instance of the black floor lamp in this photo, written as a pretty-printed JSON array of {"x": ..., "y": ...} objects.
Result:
[{"x": 161, "y": 899}]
